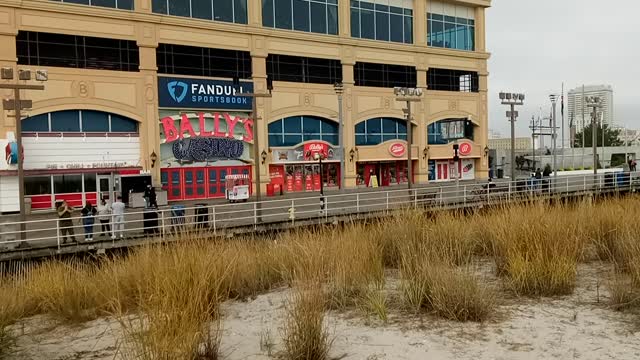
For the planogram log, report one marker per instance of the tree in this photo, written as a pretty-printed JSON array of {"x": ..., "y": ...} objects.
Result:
[{"x": 611, "y": 137}]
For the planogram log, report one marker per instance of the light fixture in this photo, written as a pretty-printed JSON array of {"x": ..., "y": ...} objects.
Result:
[
  {"x": 352, "y": 154},
  {"x": 486, "y": 151},
  {"x": 425, "y": 152},
  {"x": 263, "y": 155},
  {"x": 153, "y": 158}
]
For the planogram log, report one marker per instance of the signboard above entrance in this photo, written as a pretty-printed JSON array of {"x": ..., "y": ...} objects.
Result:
[{"x": 183, "y": 93}]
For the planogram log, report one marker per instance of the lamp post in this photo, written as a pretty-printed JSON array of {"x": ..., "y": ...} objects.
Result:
[
  {"x": 256, "y": 147},
  {"x": 339, "y": 88},
  {"x": 512, "y": 99},
  {"x": 554, "y": 136},
  {"x": 320, "y": 156},
  {"x": 409, "y": 95},
  {"x": 595, "y": 103},
  {"x": 17, "y": 105}
]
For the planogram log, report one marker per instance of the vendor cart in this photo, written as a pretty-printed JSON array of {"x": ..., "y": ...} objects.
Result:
[{"x": 237, "y": 186}]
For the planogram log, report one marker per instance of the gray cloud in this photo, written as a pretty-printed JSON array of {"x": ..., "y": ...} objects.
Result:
[{"x": 538, "y": 45}]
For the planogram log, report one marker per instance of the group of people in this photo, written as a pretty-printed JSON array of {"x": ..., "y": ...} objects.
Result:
[{"x": 106, "y": 213}]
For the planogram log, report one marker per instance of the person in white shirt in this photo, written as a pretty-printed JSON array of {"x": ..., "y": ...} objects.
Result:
[
  {"x": 118, "y": 218},
  {"x": 104, "y": 215}
]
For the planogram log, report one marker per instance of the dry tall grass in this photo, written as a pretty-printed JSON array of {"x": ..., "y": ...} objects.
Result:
[
  {"x": 304, "y": 335},
  {"x": 167, "y": 296}
]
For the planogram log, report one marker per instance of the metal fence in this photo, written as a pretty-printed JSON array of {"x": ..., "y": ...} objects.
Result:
[{"x": 219, "y": 219}]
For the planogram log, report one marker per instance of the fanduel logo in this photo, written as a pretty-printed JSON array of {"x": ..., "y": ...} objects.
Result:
[{"x": 177, "y": 90}]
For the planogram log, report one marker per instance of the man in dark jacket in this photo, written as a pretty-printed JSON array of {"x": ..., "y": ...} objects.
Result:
[
  {"x": 150, "y": 195},
  {"x": 66, "y": 224}
]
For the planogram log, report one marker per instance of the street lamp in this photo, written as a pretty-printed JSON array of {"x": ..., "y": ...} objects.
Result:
[
  {"x": 409, "y": 95},
  {"x": 256, "y": 148},
  {"x": 554, "y": 101},
  {"x": 319, "y": 156},
  {"x": 594, "y": 102},
  {"x": 512, "y": 99},
  {"x": 17, "y": 105},
  {"x": 339, "y": 88}
]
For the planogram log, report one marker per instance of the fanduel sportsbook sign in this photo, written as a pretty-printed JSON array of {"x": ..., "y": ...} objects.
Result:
[{"x": 188, "y": 93}]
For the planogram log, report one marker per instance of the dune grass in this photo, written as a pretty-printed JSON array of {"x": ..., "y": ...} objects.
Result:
[{"x": 167, "y": 296}]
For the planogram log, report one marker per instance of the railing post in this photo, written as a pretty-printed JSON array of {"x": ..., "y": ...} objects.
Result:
[
  {"x": 326, "y": 208},
  {"x": 567, "y": 185},
  {"x": 415, "y": 199},
  {"x": 161, "y": 222},
  {"x": 255, "y": 215},
  {"x": 584, "y": 184},
  {"x": 387, "y": 201},
  {"x": 509, "y": 193},
  {"x": 213, "y": 217},
  {"x": 441, "y": 199},
  {"x": 464, "y": 195},
  {"x": 292, "y": 213},
  {"x": 58, "y": 233},
  {"x": 358, "y": 203}
]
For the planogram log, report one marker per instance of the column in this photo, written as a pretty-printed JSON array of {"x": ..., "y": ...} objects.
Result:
[
  {"x": 420, "y": 22},
  {"x": 150, "y": 127},
  {"x": 261, "y": 119},
  {"x": 344, "y": 18},
  {"x": 482, "y": 171},
  {"x": 254, "y": 13},
  {"x": 420, "y": 135},
  {"x": 8, "y": 58},
  {"x": 480, "y": 29},
  {"x": 348, "y": 123}
]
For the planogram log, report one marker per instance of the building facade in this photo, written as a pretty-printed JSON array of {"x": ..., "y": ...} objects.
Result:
[
  {"x": 155, "y": 90},
  {"x": 521, "y": 143},
  {"x": 581, "y": 114}
]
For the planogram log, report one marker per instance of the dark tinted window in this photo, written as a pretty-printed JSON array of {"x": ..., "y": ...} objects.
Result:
[
  {"x": 303, "y": 69},
  {"x": 38, "y": 123},
  {"x": 65, "y": 121},
  {"x": 116, "y": 4},
  {"x": 452, "y": 80},
  {"x": 318, "y": 16},
  {"x": 47, "y": 49},
  {"x": 234, "y": 11},
  {"x": 37, "y": 185},
  {"x": 293, "y": 130},
  {"x": 383, "y": 75},
  {"x": 95, "y": 121},
  {"x": 79, "y": 121},
  {"x": 197, "y": 61}
]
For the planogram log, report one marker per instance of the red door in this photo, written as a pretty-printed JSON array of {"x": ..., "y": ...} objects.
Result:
[
  {"x": 386, "y": 176},
  {"x": 171, "y": 182},
  {"x": 194, "y": 183},
  {"x": 369, "y": 171}
]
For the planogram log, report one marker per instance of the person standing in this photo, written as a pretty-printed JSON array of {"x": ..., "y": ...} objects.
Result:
[
  {"x": 118, "y": 218},
  {"x": 88, "y": 220},
  {"x": 104, "y": 215},
  {"x": 151, "y": 197},
  {"x": 65, "y": 222}
]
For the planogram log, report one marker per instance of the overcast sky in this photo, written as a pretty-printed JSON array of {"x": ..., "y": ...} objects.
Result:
[{"x": 536, "y": 45}]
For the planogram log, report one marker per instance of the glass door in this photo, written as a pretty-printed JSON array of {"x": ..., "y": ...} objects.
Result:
[{"x": 108, "y": 187}]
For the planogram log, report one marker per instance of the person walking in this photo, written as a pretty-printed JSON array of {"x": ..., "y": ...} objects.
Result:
[
  {"x": 65, "y": 222},
  {"x": 88, "y": 220},
  {"x": 104, "y": 215},
  {"x": 151, "y": 197},
  {"x": 118, "y": 218}
]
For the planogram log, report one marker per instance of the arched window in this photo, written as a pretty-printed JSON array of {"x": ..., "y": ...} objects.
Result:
[
  {"x": 79, "y": 121},
  {"x": 378, "y": 130},
  {"x": 293, "y": 130},
  {"x": 444, "y": 131}
]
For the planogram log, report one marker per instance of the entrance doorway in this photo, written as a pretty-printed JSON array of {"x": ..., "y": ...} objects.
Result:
[{"x": 109, "y": 187}]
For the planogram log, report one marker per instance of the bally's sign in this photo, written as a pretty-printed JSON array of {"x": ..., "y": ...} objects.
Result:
[{"x": 203, "y": 94}]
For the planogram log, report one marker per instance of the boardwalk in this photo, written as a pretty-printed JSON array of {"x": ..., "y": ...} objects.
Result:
[{"x": 223, "y": 219}]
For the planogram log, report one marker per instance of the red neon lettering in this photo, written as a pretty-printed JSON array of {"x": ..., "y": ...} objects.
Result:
[
  {"x": 185, "y": 125},
  {"x": 203, "y": 131},
  {"x": 169, "y": 128},
  {"x": 248, "y": 130},
  {"x": 231, "y": 124},
  {"x": 216, "y": 126}
]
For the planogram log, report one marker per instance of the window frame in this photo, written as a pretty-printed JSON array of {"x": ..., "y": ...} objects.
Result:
[
  {"x": 91, "y": 3},
  {"x": 162, "y": 7},
  {"x": 439, "y": 79},
  {"x": 270, "y": 16},
  {"x": 110, "y": 117},
  {"x": 435, "y": 132},
  {"x": 207, "y": 58},
  {"x": 392, "y": 75},
  {"x": 304, "y": 73},
  {"x": 303, "y": 135},
  {"x": 377, "y": 10},
  {"x": 382, "y": 134},
  {"x": 462, "y": 23}
]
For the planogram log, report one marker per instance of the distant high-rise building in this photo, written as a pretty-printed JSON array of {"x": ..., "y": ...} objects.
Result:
[{"x": 581, "y": 115}]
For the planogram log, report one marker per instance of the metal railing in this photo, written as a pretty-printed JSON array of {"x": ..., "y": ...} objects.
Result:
[{"x": 47, "y": 233}]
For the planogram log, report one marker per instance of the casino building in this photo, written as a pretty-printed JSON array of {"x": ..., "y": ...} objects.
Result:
[{"x": 156, "y": 91}]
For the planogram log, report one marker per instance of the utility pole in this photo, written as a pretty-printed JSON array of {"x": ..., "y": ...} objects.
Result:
[
  {"x": 339, "y": 88},
  {"x": 17, "y": 105},
  {"x": 409, "y": 95},
  {"x": 256, "y": 147},
  {"x": 562, "y": 132},
  {"x": 554, "y": 100},
  {"x": 512, "y": 99},
  {"x": 595, "y": 103}
]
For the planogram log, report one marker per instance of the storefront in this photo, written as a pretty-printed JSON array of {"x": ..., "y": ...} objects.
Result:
[
  {"x": 296, "y": 170},
  {"x": 449, "y": 169},
  {"x": 80, "y": 156},
  {"x": 205, "y": 135}
]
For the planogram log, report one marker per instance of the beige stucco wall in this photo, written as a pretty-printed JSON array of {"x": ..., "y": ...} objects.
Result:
[{"x": 134, "y": 94}]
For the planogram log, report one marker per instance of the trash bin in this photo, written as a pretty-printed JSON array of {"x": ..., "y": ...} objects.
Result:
[
  {"x": 269, "y": 189},
  {"x": 150, "y": 221},
  {"x": 202, "y": 216}
]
